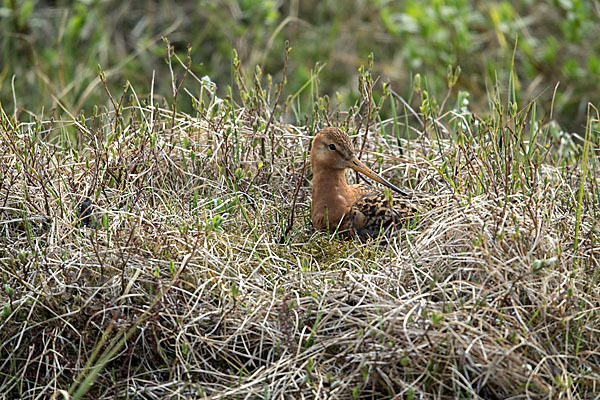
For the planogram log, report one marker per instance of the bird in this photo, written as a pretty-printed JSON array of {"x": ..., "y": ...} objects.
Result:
[
  {"x": 86, "y": 211},
  {"x": 358, "y": 209}
]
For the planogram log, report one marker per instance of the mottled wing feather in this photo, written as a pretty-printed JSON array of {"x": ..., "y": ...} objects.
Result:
[
  {"x": 362, "y": 189},
  {"x": 373, "y": 214}
]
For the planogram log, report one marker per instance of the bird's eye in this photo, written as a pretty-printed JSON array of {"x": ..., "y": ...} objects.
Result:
[{"x": 332, "y": 146}]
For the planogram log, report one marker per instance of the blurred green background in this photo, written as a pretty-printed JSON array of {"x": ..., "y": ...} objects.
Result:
[{"x": 50, "y": 50}]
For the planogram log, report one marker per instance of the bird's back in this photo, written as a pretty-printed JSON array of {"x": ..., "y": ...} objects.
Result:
[{"x": 377, "y": 213}]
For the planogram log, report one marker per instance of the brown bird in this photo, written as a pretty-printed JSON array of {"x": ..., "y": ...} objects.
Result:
[{"x": 357, "y": 209}]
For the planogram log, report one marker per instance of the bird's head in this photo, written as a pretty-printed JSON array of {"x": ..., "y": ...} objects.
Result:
[{"x": 332, "y": 149}]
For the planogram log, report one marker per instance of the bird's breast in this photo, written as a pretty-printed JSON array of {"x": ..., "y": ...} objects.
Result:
[{"x": 328, "y": 211}]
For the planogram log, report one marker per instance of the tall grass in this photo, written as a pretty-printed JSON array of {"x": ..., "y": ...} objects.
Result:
[
  {"x": 50, "y": 51},
  {"x": 198, "y": 273}
]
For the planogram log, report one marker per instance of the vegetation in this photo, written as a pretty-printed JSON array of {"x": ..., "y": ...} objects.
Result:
[
  {"x": 53, "y": 49},
  {"x": 155, "y": 234}
]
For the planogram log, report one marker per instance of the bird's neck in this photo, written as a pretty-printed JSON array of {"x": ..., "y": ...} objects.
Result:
[
  {"x": 332, "y": 197},
  {"x": 330, "y": 181}
]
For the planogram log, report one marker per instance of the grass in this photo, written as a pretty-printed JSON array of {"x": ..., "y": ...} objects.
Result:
[
  {"x": 51, "y": 50},
  {"x": 199, "y": 275}
]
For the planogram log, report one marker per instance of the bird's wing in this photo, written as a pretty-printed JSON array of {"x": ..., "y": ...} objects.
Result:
[{"x": 374, "y": 214}]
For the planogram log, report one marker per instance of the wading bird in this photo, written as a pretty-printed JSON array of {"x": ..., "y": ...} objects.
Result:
[{"x": 357, "y": 209}]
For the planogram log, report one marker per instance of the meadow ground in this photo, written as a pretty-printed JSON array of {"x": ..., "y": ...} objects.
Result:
[{"x": 197, "y": 273}]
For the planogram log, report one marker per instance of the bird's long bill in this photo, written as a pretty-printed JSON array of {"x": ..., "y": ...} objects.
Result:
[{"x": 356, "y": 165}]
